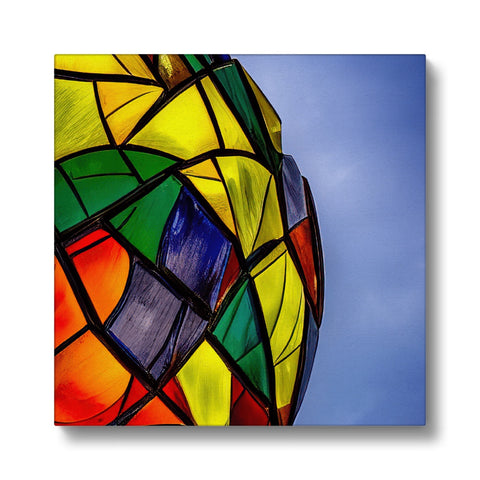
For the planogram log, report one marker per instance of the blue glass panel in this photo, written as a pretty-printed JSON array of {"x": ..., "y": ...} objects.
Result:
[
  {"x": 194, "y": 249},
  {"x": 311, "y": 347},
  {"x": 220, "y": 58},
  {"x": 294, "y": 192},
  {"x": 186, "y": 333},
  {"x": 146, "y": 317}
]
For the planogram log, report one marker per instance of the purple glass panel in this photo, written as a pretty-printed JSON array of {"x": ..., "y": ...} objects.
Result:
[{"x": 194, "y": 249}]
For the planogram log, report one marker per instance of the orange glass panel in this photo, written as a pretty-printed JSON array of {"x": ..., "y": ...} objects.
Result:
[
  {"x": 155, "y": 412},
  {"x": 103, "y": 418},
  {"x": 88, "y": 380},
  {"x": 172, "y": 69},
  {"x": 69, "y": 318},
  {"x": 104, "y": 271},
  {"x": 283, "y": 414}
]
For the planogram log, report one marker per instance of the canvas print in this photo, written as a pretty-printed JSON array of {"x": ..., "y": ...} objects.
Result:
[{"x": 190, "y": 272}]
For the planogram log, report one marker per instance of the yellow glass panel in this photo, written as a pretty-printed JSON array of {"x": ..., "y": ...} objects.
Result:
[
  {"x": 89, "y": 64},
  {"x": 285, "y": 374},
  {"x": 136, "y": 66},
  {"x": 182, "y": 128},
  {"x": 272, "y": 121},
  {"x": 88, "y": 380},
  {"x": 283, "y": 304},
  {"x": 172, "y": 69},
  {"x": 283, "y": 340},
  {"x": 204, "y": 169},
  {"x": 281, "y": 295},
  {"x": 124, "y": 104},
  {"x": 270, "y": 258},
  {"x": 270, "y": 287},
  {"x": 206, "y": 382},
  {"x": 114, "y": 95},
  {"x": 207, "y": 181},
  {"x": 232, "y": 134},
  {"x": 271, "y": 224},
  {"x": 122, "y": 121},
  {"x": 246, "y": 182},
  {"x": 77, "y": 121}
]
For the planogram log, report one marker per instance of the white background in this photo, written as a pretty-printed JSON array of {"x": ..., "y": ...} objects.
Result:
[{"x": 447, "y": 32}]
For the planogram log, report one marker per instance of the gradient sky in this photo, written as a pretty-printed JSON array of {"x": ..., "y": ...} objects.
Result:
[{"x": 356, "y": 127}]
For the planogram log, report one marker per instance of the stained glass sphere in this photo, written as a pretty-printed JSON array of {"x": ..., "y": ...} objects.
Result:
[{"x": 188, "y": 266}]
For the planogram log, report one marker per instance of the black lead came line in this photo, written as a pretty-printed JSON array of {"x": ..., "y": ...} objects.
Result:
[
  {"x": 115, "y": 110},
  {"x": 111, "y": 138},
  {"x": 113, "y": 174},
  {"x": 62, "y": 346},
  {"x": 122, "y": 64},
  {"x": 211, "y": 113},
  {"x": 73, "y": 189},
  {"x": 126, "y": 393},
  {"x": 235, "y": 369},
  {"x": 89, "y": 246},
  {"x": 162, "y": 274},
  {"x": 277, "y": 361},
  {"x": 262, "y": 327},
  {"x": 103, "y": 77},
  {"x": 302, "y": 362},
  {"x": 264, "y": 206}
]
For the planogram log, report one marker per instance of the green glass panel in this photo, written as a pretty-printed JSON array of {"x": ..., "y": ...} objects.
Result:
[
  {"x": 67, "y": 209},
  {"x": 238, "y": 332},
  {"x": 230, "y": 79},
  {"x": 95, "y": 163},
  {"x": 192, "y": 60},
  {"x": 235, "y": 325},
  {"x": 148, "y": 164},
  {"x": 100, "y": 178},
  {"x": 142, "y": 222},
  {"x": 100, "y": 192},
  {"x": 254, "y": 364}
]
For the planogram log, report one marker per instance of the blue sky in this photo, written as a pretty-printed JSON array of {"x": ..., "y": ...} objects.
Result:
[{"x": 356, "y": 127}]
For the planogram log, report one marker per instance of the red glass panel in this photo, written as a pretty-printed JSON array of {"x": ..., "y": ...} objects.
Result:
[
  {"x": 231, "y": 273},
  {"x": 302, "y": 239},
  {"x": 174, "y": 391},
  {"x": 245, "y": 409}
]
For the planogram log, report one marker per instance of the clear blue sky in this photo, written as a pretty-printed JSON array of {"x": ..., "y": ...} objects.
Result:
[{"x": 356, "y": 127}]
